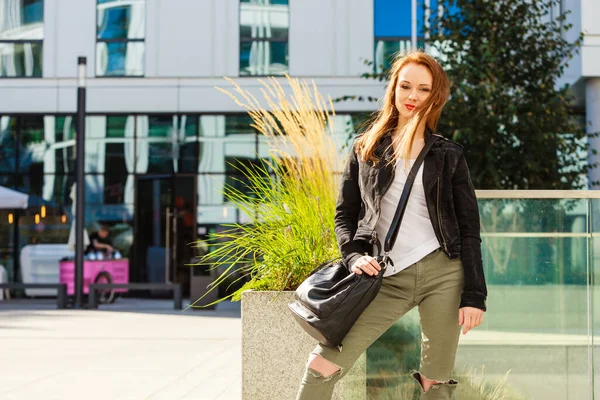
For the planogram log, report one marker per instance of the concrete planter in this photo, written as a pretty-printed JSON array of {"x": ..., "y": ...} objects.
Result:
[{"x": 275, "y": 350}]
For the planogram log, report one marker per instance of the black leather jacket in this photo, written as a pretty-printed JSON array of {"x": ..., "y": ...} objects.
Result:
[{"x": 450, "y": 199}]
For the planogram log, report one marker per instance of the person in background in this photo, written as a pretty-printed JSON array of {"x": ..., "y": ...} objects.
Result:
[{"x": 100, "y": 241}]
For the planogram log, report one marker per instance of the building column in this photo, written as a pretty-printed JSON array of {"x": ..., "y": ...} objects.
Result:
[{"x": 592, "y": 118}]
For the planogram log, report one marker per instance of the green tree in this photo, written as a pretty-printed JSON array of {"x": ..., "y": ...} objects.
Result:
[{"x": 504, "y": 59}]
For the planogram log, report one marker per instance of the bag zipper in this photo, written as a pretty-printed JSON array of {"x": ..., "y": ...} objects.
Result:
[{"x": 439, "y": 215}]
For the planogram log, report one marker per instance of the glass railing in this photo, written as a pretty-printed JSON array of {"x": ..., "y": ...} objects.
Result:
[{"x": 541, "y": 256}]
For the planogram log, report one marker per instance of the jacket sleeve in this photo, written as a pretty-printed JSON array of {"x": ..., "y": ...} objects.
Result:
[
  {"x": 467, "y": 212},
  {"x": 347, "y": 212}
]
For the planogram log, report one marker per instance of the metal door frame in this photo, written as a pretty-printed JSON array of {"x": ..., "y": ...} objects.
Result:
[{"x": 170, "y": 240}]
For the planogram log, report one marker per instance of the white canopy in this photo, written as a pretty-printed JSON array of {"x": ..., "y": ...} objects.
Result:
[{"x": 12, "y": 199}]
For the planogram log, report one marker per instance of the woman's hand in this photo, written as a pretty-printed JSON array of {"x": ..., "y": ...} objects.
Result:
[
  {"x": 367, "y": 264},
  {"x": 469, "y": 318}
]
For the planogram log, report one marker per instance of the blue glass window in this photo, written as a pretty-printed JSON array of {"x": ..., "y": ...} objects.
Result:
[
  {"x": 120, "y": 34},
  {"x": 393, "y": 29}
]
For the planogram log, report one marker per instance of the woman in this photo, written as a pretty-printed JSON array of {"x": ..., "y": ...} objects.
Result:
[{"x": 437, "y": 254}]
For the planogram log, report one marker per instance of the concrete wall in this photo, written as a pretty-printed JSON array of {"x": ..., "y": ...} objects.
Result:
[
  {"x": 338, "y": 36},
  {"x": 190, "y": 38},
  {"x": 111, "y": 95},
  {"x": 70, "y": 32}
]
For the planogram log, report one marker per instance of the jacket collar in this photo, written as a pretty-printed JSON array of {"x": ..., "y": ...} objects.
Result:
[{"x": 432, "y": 165}]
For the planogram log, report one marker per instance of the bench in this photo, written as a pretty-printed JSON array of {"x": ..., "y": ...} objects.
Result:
[
  {"x": 61, "y": 298},
  {"x": 174, "y": 287}
]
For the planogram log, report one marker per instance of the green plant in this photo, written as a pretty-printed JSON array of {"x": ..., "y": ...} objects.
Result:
[{"x": 288, "y": 198}]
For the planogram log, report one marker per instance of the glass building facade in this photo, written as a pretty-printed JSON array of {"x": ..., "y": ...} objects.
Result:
[{"x": 155, "y": 180}]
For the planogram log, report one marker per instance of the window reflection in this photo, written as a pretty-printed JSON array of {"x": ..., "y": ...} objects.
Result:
[
  {"x": 21, "y": 20},
  {"x": 120, "y": 58},
  {"x": 263, "y": 58},
  {"x": 386, "y": 50},
  {"x": 239, "y": 125},
  {"x": 264, "y": 30},
  {"x": 109, "y": 144},
  {"x": 7, "y": 227},
  {"x": 8, "y": 150},
  {"x": 120, "y": 32},
  {"x": 21, "y": 59},
  {"x": 21, "y": 35},
  {"x": 166, "y": 144},
  {"x": 119, "y": 20},
  {"x": 32, "y": 143}
]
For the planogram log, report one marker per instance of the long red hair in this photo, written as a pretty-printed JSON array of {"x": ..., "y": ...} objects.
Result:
[{"x": 386, "y": 119}]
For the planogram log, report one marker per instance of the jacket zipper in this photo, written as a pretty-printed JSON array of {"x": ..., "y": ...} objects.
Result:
[{"x": 439, "y": 215}]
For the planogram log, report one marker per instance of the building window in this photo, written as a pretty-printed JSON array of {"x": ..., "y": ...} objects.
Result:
[
  {"x": 264, "y": 30},
  {"x": 120, "y": 35},
  {"x": 21, "y": 38},
  {"x": 393, "y": 29}
]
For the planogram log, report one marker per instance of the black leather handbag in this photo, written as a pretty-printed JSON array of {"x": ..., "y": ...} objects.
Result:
[{"x": 330, "y": 300}]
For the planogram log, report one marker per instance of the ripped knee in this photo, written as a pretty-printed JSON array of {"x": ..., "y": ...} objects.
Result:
[
  {"x": 427, "y": 383},
  {"x": 319, "y": 367}
]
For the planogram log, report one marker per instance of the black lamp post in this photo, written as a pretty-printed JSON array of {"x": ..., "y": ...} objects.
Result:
[{"x": 80, "y": 194}]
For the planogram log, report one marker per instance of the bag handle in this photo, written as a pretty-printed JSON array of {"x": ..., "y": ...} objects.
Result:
[
  {"x": 322, "y": 266},
  {"x": 392, "y": 234}
]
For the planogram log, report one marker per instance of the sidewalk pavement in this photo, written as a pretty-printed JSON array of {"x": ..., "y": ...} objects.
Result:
[{"x": 133, "y": 349}]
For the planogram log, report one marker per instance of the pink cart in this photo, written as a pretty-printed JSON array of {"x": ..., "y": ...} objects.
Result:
[{"x": 105, "y": 271}]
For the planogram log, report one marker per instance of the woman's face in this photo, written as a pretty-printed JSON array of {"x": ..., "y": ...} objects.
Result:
[{"x": 412, "y": 89}]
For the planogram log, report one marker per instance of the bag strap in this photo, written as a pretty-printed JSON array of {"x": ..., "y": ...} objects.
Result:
[{"x": 390, "y": 238}]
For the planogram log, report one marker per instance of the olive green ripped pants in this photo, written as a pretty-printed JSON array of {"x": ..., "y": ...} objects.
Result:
[{"x": 434, "y": 284}]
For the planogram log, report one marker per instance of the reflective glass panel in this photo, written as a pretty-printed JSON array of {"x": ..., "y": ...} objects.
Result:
[
  {"x": 47, "y": 144},
  {"x": 21, "y": 59},
  {"x": 7, "y": 180},
  {"x": 166, "y": 144},
  {"x": 57, "y": 189},
  {"x": 8, "y": 221},
  {"x": 109, "y": 146},
  {"x": 32, "y": 140},
  {"x": 386, "y": 50},
  {"x": 212, "y": 126},
  {"x": 120, "y": 58},
  {"x": 536, "y": 258},
  {"x": 121, "y": 20},
  {"x": 264, "y": 19},
  {"x": 594, "y": 299},
  {"x": 21, "y": 20},
  {"x": 239, "y": 124},
  {"x": 263, "y": 58},
  {"x": 8, "y": 147}
]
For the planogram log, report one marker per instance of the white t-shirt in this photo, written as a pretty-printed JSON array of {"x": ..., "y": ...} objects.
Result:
[{"x": 416, "y": 237}]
